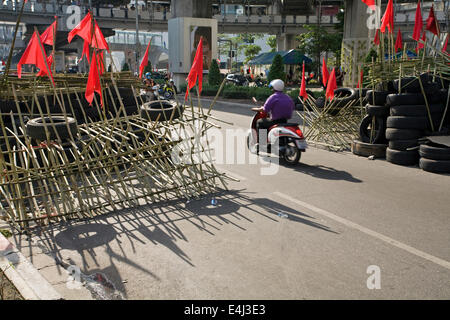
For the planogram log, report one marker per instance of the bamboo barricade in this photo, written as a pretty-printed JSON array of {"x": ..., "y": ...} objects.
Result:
[{"x": 117, "y": 159}]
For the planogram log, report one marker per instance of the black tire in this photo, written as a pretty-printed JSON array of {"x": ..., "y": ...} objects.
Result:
[
  {"x": 434, "y": 152},
  {"x": 416, "y": 110},
  {"x": 320, "y": 102},
  {"x": 402, "y": 134},
  {"x": 343, "y": 96},
  {"x": 402, "y": 145},
  {"x": 408, "y": 84},
  {"x": 365, "y": 128},
  {"x": 35, "y": 128},
  {"x": 367, "y": 149},
  {"x": 405, "y": 158},
  {"x": 376, "y": 98},
  {"x": 401, "y": 122},
  {"x": 294, "y": 157},
  {"x": 162, "y": 108},
  {"x": 435, "y": 166},
  {"x": 377, "y": 111},
  {"x": 404, "y": 99}
]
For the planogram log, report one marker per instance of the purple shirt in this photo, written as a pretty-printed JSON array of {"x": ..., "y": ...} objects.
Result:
[{"x": 279, "y": 106}]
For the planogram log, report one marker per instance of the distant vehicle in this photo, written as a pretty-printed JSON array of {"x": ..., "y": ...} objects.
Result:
[
  {"x": 237, "y": 79},
  {"x": 73, "y": 69}
]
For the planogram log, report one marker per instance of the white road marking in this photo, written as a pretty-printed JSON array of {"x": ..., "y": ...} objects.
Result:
[{"x": 350, "y": 224}]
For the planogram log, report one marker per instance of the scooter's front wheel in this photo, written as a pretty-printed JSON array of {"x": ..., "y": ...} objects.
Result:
[
  {"x": 292, "y": 154},
  {"x": 252, "y": 147}
]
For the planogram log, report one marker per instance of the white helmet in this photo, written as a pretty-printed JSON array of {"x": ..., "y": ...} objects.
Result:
[{"x": 277, "y": 85}]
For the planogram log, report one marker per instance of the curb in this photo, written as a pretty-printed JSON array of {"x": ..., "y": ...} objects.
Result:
[
  {"x": 23, "y": 275},
  {"x": 237, "y": 104}
]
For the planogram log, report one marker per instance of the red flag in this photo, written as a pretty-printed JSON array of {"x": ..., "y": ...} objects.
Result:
[
  {"x": 331, "y": 86},
  {"x": 444, "y": 48},
  {"x": 93, "y": 84},
  {"x": 302, "y": 92},
  {"x": 144, "y": 62},
  {"x": 101, "y": 62},
  {"x": 196, "y": 70},
  {"x": 325, "y": 73},
  {"x": 34, "y": 55},
  {"x": 360, "y": 80},
  {"x": 388, "y": 18},
  {"x": 84, "y": 30},
  {"x": 432, "y": 24},
  {"x": 85, "y": 51},
  {"x": 420, "y": 45},
  {"x": 376, "y": 40},
  {"x": 370, "y": 3},
  {"x": 49, "y": 62},
  {"x": 398, "y": 41},
  {"x": 47, "y": 35},
  {"x": 418, "y": 25}
]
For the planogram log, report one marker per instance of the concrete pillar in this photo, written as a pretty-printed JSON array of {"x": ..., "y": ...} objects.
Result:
[
  {"x": 192, "y": 8},
  {"x": 285, "y": 42},
  {"x": 356, "y": 42}
]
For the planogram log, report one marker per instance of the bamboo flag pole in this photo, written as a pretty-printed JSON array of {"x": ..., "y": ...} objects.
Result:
[
  {"x": 8, "y": 63},
  {"x": 55, "y": 28}
]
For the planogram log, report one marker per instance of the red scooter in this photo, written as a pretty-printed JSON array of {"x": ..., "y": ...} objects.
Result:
[{"x": 288, "y": 136}]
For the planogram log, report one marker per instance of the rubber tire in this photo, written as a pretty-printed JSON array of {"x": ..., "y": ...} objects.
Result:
[
  {"x": 434, "y": 152},
  {"x": 380, "y": 132},
  {"x": 352, "y": 94},
  {"x": 435, "y": 166},
  {"x": 402, "y": 134},
  {"x": 377, "y": 111},
  {"x": 151, "y": 110},
  {"x": 402, "y": 145},
  {"x": 401, "y": 122},
  {"x": 35, "y": 128},
  {"x": 377, "y": 98},
  {"x": 416, "y": 110},
  {"x": 405, "y": 158},
  {"x": 367, "y": 149}
]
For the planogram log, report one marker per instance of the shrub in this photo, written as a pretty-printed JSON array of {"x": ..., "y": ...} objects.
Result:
[
  {"x": 125, "y": 67},
  {"x": 214, "y": 74},
  {"x": 277, "y": 69}
]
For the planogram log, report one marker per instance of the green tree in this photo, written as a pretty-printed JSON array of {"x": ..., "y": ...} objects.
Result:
[
  {"x": 272, "y": 43},
  {"x": 214, "y": 74},
  {"x": 251, "y": 51},
  {"x": 110, "y": 68},
  {"x": 126, "y": 67},
  {"x": 277, "y": 69}
]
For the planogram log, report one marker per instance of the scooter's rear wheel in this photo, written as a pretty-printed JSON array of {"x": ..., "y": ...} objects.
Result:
[{"x": 292, "y": 154}]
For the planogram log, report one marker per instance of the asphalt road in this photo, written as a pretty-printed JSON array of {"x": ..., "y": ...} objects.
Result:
[{"x": 352, "y": 229}]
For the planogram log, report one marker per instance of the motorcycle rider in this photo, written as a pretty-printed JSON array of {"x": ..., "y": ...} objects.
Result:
[{"x": 279, "y": 106}]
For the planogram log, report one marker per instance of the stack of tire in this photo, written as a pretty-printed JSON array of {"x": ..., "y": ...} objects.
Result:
[
  {"x": 373, "y": 126},
  {"x": 434, "y": 158},
  {"x": 342, "y": 97},
  {"x": 409, "y": 119}
]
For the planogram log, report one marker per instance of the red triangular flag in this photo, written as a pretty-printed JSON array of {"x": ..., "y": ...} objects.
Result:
[
  {"x": 83, "y": 29},
  {"x": 196, "y": 70},
  {"x": 144, "y": 62},
  {"x": 360, "y": 80},
  {"x": 432, "y": 24},
  {"x": 398, "y": 41},
  {"x": 444, "y": 48},
  {"x": 101, "y": 62},
  {"x": 93, "y": 84},
  {"x": 388, "y": 18},
  {"x": 47, "y": 35},
  {"x": 49, "y": 62},
  {"x": 420, "y": 45},
  {"x": 99, "y": 40},
  {"x": 85, "y": 52},
  {"x": 376, "y": 40},
  {"x": 302, "y": 92},
  {"x": 331, "y": 86},
  {"x": 418, "y": 25},
  {"x": 325, "y": 73},
  {"x": 370, "y": 3},
  {"x": 34, "y": 55}
]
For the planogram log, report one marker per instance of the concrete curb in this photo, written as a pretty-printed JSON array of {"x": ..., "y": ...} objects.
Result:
[
  {"x": 237, "y": 104},
  {"x": 23, "y": 275}
]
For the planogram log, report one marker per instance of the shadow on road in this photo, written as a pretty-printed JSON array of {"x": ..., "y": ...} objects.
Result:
[
  {"x": 101, "y": 244},
  {"x": 324, "y": 172}
]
